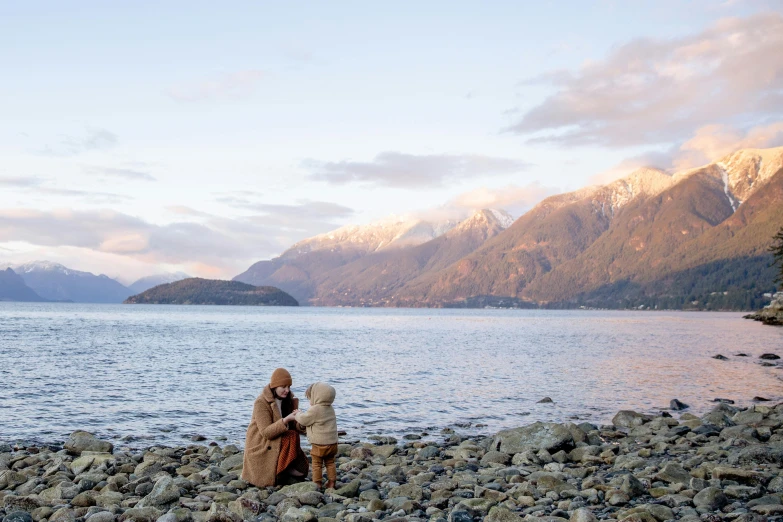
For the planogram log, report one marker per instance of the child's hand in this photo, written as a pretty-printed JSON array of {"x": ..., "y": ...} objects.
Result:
[{"x": 290, "y": 417}]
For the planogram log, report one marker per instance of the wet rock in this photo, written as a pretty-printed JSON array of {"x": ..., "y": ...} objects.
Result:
[
  {"x": 538, "y": 436},
  {"x": 163, "y": 493},
  {"x": 629, "y": 419},
  {"x": 632, "y": 486},
  {"x": 545, "y": 400},
  {"x": 80, "y": 441},
  {"x": 720, "y": 357},
  {"x": 757, "y": 454},
  {"x": 147, "y": 514},
  {"x": 743, "y": 476},
  {"x": 63, "y": 515},
  {"x": 502, "y": 514},
  {"x": 18, "y": 516},
  {"x": 351, "y": 489},
  {"x": 673, "y": 473},
  {"x": 769, "y": 356},
  {"x": 710, "y": 498}
]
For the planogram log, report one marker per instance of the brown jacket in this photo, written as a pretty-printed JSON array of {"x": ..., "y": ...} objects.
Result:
[
  {"x": 320, "y": 420},
  {"x": 262, "y": 443}
]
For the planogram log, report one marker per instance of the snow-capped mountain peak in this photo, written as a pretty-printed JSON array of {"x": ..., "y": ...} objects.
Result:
[
  {"x": 391, "y": 232},
  {"x": 643, "y": 182},
  {"x": 47, "y": 266},
  {"x": 504, "y": 218},
  {"x": 744, "y": 171}
]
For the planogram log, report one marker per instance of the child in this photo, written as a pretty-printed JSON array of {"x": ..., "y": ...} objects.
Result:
[{"x": 321, "y": 424}]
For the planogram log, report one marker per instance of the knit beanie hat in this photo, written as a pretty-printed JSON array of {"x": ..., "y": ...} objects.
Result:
[{"x": 280, "y": 377}]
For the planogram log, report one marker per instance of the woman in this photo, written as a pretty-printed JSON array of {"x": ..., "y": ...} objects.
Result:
[{"x": 272, "y": 452}]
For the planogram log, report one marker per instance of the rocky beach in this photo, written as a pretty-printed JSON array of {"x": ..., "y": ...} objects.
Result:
[
  {"x": 724, "y": 465},
  {"x": 772, "y": 314}
]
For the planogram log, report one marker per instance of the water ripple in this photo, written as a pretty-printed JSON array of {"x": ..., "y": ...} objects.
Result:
[{"x": 146, "y": 373}]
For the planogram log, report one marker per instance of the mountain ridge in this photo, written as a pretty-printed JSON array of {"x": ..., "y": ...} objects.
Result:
[{"x": 575, "y": 249}]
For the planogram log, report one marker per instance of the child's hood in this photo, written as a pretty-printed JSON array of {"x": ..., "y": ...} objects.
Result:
[{"x": 322, "y": 393}]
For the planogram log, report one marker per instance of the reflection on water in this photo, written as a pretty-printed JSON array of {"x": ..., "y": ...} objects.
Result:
[{"x": 164, "y": 373}]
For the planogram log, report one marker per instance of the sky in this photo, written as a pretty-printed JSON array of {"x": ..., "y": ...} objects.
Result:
[{"x": 141, "y": 137}]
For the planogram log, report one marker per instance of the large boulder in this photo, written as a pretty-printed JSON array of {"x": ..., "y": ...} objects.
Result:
[
  {"x": 710, "y": 498},
  {"x": 629, "y": 419},
  {"x": 163, "y": 493},
  {"x": 757, "y": 454},
  {"x": 80, "y": 441},
  {"x": 540, "y": 435}
]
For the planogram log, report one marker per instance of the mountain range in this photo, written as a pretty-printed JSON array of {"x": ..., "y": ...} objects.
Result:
[
  {"x": 12, "y": 288},
  {"x": 694, "y": 239},
  {"x": 47, "y": 281}
]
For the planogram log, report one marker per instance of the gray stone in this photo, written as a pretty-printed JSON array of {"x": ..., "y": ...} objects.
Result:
[
  {"x": 80, "y": 441},
  {"x": 749, "y": 417},
  {"x": 502, "y": 514},
  {"x": 743, "y": 476},
  {"x": 147, "y": 514},
  {"x": 538, "y": 436},
  {"x": 410, "y": 491},
  {"x": 629, "y": 419},
  {"x": 101, "y": 516},
  {"x": 234, "y": 462},
  {"x": 710, "y": 498},
  {"x": 299, "y": 487},
  {"x": 582, "y": 515},
  {"x": 615, "y": 497},
  {"x": 632, "y": 486},
  {"x": 163, "y": 493},
  {"x": 496, "y": 457},
  {"x": 673, "y": 473},
  {"x": 18, "y": 516},
  {"x": 757, "y": 454},
  {"x": 298, "y": 515},
  {"x": 428, "y": 452},
  {"x": 63, "y": 515},
  {"x": 350, "y": 490}
]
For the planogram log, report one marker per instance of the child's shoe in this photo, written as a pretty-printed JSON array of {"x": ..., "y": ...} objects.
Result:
[{"x": 330, "y": 484}]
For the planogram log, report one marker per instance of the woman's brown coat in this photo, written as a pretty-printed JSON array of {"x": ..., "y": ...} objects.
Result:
[{"x": 262, "y": 444}]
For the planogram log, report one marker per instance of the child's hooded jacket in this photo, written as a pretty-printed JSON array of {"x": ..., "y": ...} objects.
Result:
[{"x": 320, "y": 420}]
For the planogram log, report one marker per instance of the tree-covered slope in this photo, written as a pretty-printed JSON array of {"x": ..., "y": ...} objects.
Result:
[{"x": 197, "y": 291}]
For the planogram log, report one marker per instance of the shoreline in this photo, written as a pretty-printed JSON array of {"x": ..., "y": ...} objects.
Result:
[{"x": 724, "y": 465}]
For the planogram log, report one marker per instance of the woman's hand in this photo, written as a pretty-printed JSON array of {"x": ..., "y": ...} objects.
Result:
[{"x": 290, "y": 417}]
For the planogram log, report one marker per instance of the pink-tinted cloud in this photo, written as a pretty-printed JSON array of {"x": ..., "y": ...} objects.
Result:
[
  {"x": 655, "y": 91},
  {"x": 712, "y": 142},
  {"x": 400, "y": 170}
]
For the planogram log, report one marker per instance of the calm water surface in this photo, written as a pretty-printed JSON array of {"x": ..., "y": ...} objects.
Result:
[{"x": 163, "y": 373}]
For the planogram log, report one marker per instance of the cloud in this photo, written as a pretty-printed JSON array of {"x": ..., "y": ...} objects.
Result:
[
  {"x": 514, "y": 199},
  {"x": 215, "y": 244},
  {"x": 35, "y": 185},
  {"x": 653, "y": 159},
  {"x": 20, "y": 181},
  {"x": 398, "y": 170},
  {"x": 240, "y": 198},
  {"x": 183, "y": 210},
  {"x": 239, "y": 84},
  {"x": 708, "y": 144},
  {"x": 116, "y": 233},
  {"x": 660, "y": 91},
  {"x": 130, "y": 174},
  {"x": 712, "y": 142},
  {"x": 92, "y": 139}
]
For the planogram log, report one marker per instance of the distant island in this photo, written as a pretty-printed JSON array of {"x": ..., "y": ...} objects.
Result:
[{"x": 198, "y": 291}]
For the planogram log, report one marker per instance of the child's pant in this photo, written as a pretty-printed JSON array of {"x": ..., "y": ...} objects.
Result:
[{"x": 323, "y": 455}]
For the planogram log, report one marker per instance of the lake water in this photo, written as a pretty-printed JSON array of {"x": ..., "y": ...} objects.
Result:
[{"x": 160, "y": 374}]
